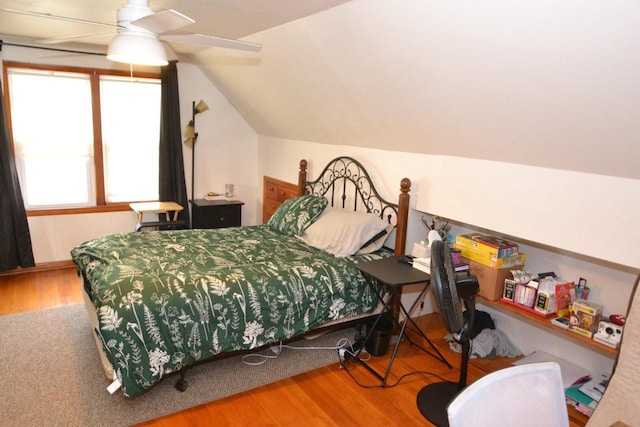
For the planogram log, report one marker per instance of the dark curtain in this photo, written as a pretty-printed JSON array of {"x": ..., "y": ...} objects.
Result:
[
  {"x": 15, "y": 240},
  {"x": 172, "y": 182}
]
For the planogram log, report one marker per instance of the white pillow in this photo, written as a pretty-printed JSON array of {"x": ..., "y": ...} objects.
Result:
[
  {"x": 377, "y": 242},
  {"x": 341, "y": 232}
]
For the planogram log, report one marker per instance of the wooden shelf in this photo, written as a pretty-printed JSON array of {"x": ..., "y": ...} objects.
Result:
[{"x": 543, "y": 322}]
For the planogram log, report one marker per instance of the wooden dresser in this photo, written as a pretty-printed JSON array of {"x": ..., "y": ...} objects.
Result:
[{"x": 275, "y": 192}]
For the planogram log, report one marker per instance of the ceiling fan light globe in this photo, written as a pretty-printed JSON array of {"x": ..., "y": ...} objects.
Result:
[{"x": 138, "y": 49}]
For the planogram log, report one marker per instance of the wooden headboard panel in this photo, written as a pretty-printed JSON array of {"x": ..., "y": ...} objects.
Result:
[
  {"x": 347, "y": 185},
  {"x": 275, "y": 192}
]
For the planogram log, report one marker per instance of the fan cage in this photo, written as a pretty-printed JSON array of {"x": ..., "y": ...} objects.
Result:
[{"x": 444, "y": 287}]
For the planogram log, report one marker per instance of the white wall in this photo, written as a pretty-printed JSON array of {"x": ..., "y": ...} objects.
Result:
[
  {"x": 545, "y": 83},
  {"x": 611, "y": 283},
  {"x": 226, "y": 153},
  {"x": 594, "y": 215}
]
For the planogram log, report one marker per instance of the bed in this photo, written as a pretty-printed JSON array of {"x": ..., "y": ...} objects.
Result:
[{"x": 161, "y": 301}]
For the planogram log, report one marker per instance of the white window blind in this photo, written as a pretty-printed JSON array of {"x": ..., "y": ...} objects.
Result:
[
  {"x": 130, "y": 137},
  {"x": 53, "y": 136}
]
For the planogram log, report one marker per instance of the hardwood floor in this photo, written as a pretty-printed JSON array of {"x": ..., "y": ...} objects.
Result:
[
  {"x": 328, "y": 396},
  {"x": 39, "y": 290}
]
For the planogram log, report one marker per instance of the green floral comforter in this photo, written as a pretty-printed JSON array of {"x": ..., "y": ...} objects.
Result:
[{"x": 168, "y": 299}]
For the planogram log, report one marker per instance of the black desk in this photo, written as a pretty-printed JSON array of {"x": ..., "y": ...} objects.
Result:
[{"x": 392, "y": 276}]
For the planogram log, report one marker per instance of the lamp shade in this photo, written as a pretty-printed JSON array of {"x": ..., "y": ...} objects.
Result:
[
  {"x": 189, "y": 130},
  {"x": 189, "y": 134},
  {"x": 137, "y": 48},
  {"x": 201, "y": 107}
]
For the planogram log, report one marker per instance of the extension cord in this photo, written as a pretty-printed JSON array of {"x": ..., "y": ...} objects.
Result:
[{"x": 347, "y": 353}]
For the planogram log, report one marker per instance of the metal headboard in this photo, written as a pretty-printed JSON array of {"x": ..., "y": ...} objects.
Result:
[
  {"x": 347, "y": 185},
  {"x": 343, "y": 173}
]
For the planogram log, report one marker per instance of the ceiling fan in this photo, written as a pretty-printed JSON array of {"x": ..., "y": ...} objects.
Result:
[{"x": 139, "y": 30}]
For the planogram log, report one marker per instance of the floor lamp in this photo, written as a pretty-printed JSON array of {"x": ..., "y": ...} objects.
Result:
[{"x": 190, "y": 139}]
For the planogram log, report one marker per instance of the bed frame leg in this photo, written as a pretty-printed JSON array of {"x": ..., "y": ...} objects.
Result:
[{"x": 181, "y": 384}]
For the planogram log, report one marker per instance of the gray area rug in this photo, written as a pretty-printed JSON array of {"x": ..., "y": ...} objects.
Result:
[{"x": 50, "y": 374}]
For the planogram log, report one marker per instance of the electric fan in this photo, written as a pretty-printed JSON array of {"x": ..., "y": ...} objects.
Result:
[{"x": 448, "y": 289}]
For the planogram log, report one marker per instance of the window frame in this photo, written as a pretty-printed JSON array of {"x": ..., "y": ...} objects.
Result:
[{"x": 98, "y": 157}]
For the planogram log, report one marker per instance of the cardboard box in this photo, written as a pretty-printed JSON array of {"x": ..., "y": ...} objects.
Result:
[
  {"x": 491, "y": 280},
  {"x": 585, "y": 317},
  {"x": 486, "y": 245}
]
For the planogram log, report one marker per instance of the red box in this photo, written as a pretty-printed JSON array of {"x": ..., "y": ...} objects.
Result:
[{"x": 565, "y": 294}]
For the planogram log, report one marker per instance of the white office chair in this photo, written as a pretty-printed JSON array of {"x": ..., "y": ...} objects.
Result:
[{"x": 524, "y": 395}]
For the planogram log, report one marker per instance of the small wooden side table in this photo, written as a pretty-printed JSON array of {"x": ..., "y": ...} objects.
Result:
[{"x": 160, "y": 208}]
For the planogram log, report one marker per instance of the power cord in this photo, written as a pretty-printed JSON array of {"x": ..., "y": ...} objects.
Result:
[
  {"x": 274, "y": 351},
  {"x": 347, "y": 353},
  {"x": 348, "y": 365}
]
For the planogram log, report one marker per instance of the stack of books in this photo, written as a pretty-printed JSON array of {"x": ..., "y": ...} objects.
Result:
[
  {"x": 584, "y": 396},
  {"x": 490, "y": 251},
  {"x": 424, "y": 264}
]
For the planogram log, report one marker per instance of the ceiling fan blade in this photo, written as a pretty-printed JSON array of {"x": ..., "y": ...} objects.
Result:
[
  {"x": 77, "y": 36},
  {"x": 161, "y": 22},
  {"x": 60, "y": 18},
  {"x": 210, "y": 41}
]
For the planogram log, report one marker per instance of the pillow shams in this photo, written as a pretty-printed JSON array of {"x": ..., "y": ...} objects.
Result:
[
  {"x": 296, "y": 214},
  {"x": 342, "y": 233}
]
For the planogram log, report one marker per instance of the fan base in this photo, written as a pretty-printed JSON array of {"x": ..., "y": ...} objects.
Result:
[{"x": 433, "y": 400}]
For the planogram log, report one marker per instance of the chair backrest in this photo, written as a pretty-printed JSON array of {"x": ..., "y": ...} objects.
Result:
[
  {"x": 620, "y": 400},
  {"x": 523, "y": 395}
]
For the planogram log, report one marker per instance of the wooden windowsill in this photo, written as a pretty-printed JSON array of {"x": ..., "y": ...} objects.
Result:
[{"x": 114, "y": 207}]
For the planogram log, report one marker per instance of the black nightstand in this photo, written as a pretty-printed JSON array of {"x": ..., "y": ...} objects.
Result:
[
  {"x": 216, "y": 213},
  {"x": 392, "y": 275}
]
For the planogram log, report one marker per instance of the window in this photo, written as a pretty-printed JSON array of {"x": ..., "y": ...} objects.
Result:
[
  {"x": 83, "y": 137},
  {"x": 130, "y": 135}
]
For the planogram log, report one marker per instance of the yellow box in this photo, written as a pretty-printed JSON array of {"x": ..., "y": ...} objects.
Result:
[
  {"x": 518, "y": 260},
  {"x": 490, "y": 247}
]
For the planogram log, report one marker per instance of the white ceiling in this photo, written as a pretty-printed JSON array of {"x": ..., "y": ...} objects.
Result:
[
  {"x": 542, "y": 83},
  {"x": 224, "y": 18}
]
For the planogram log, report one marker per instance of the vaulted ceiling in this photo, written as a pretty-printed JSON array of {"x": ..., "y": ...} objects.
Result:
[{"x": 542, "y": 83}]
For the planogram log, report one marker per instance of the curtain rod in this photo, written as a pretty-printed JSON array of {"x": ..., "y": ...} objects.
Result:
[{"x": 56, "y": 49}]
